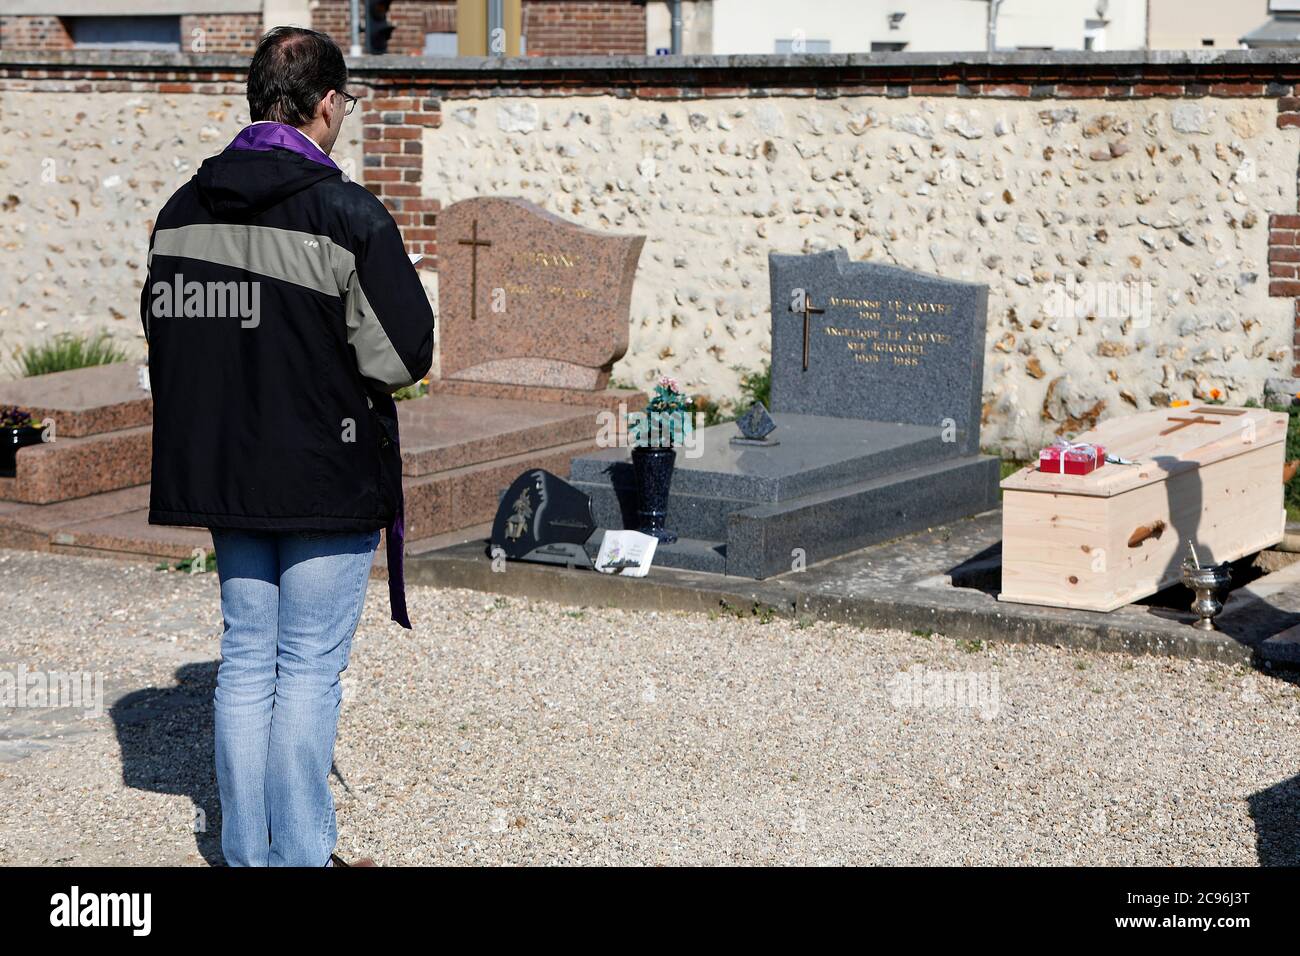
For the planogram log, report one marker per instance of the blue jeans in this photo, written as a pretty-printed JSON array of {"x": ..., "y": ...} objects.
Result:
[{"x": 291, "y": 602}]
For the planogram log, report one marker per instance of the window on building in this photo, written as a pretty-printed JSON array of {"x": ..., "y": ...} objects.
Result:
[
  {"x": 440, "y": 44},
  {"x": 440, "y": 31},
  {"x": 807, "y": 46},
  {"x": 150, "y": 33},
  {"x": 1208, "y": 41},
  {"x": 1094, "y": 34},
  {"x": 879, "y": 47}
]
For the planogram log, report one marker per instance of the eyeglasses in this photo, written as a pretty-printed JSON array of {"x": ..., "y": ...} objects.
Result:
[{"x": 351, "y": 101}]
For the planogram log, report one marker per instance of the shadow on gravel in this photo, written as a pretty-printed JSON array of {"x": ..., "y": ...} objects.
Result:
[
  {"x": 166, "y": 740},
  {"x": 1276, "y": 812}
]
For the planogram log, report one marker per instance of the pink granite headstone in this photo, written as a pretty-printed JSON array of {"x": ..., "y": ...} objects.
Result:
[{"x": 528, "y": 298}]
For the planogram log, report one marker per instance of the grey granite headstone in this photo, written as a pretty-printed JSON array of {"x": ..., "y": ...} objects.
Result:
[{"x": 883, "y": 343}]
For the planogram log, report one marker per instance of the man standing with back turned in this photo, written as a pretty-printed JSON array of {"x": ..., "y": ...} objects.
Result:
[{"x": 281, "y": 313}]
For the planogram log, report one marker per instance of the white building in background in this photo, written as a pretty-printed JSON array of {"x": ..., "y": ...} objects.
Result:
[
  {"x": 864, "y": 26},
  {"x": 1189, "y": 24}
]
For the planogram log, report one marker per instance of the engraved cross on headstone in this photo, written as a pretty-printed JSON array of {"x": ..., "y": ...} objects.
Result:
[
  {"x": 808, "y": 312},
  {"x": 473, "y": 242}
]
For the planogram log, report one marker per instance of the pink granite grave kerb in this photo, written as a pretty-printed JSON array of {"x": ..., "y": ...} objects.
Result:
[{"x": 84, "y": 401}]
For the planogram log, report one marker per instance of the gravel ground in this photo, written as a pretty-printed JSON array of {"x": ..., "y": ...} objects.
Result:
[{"x": 511, "y": 732}]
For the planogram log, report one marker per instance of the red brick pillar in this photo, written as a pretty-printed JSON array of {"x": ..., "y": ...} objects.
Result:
[
  {"x": 1284, "y": 241},
  {"x": 34, "y": 32},
  {"x": 393, "y": 124}
]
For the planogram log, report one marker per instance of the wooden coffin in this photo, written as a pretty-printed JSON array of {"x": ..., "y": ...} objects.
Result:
[{"x": 1209, "y": 474}]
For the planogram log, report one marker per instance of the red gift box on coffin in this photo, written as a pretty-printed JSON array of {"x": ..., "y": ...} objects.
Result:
[{"x": 1071, "y": 459}]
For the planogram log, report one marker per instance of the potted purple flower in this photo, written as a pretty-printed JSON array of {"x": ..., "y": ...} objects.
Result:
[
  {"x": 666, "y": 422},
  {"x": 17, "y": 430}
]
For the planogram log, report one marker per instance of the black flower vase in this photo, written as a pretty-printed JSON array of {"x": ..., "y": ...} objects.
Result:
[
  {"x": 652, "y": 469},
  {"x": 11, "y": 439}
]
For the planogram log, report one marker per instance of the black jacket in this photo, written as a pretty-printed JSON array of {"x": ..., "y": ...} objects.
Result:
[{"x": 281, "y": 310}]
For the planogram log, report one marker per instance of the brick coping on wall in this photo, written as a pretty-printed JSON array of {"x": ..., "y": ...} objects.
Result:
[
  {"x": 1025, "y": 74},
  {"x": 403, "y": 94}
]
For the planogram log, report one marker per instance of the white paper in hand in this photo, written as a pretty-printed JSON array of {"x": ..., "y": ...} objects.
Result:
[{"x": 626, "y": 552}]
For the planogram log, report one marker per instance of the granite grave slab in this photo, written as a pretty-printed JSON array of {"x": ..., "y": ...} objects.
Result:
[
  {"x": 533, "y": 312},
  {"x": 876, "y": 382},
  {"x": 525, "y": 387},
  {"x": 84, "y": 401}
]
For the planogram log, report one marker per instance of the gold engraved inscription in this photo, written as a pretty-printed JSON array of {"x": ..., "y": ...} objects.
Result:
[
  {"x": 898, "y": 332},
  {"x": 550, "y": 260},
  {"x": 553, "y": 291}
]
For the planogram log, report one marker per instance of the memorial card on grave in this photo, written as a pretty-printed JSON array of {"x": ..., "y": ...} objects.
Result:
[{"x": 629, "y": 553}]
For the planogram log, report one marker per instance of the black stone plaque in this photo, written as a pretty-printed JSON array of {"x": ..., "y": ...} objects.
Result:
[{"x": 544, "y": 518}]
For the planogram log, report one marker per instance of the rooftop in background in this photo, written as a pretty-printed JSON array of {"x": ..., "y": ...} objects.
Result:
[
  {"x": 620, "y": 27},
  {"x": 1279, "y": 32},
  {"x": 1192, "y": 24},
  {"x": 1207, "y": 58}
]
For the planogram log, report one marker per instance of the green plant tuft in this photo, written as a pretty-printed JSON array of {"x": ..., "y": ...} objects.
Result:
[
  {"x": 67, "y": 351},
  {"x": 418, "y": 390},
  {"x": 190, "y": 565},
  {"x": 713, "y": 412},
  {"x": 756, "y": 387},
  {"x": 1292, "y": 496},
  {"x": 763, "y": 613}
]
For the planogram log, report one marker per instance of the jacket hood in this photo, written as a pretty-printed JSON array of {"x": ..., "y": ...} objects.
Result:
[{"x": 240, "y": 182}]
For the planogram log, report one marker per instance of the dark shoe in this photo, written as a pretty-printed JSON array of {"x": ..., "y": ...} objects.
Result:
[{"x": 364, "y": 861}]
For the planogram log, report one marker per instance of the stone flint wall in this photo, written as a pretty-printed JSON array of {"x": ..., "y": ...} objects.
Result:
[
  {"x": 1134, "y": 215},
  {"x": 87, "y": 158}
]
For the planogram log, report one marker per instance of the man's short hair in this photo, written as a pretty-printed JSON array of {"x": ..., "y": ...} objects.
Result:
[{"x": 291, "y": 71}]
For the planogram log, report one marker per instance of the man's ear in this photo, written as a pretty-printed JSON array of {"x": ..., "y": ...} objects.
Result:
[{"x": 327, "y": 107}]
